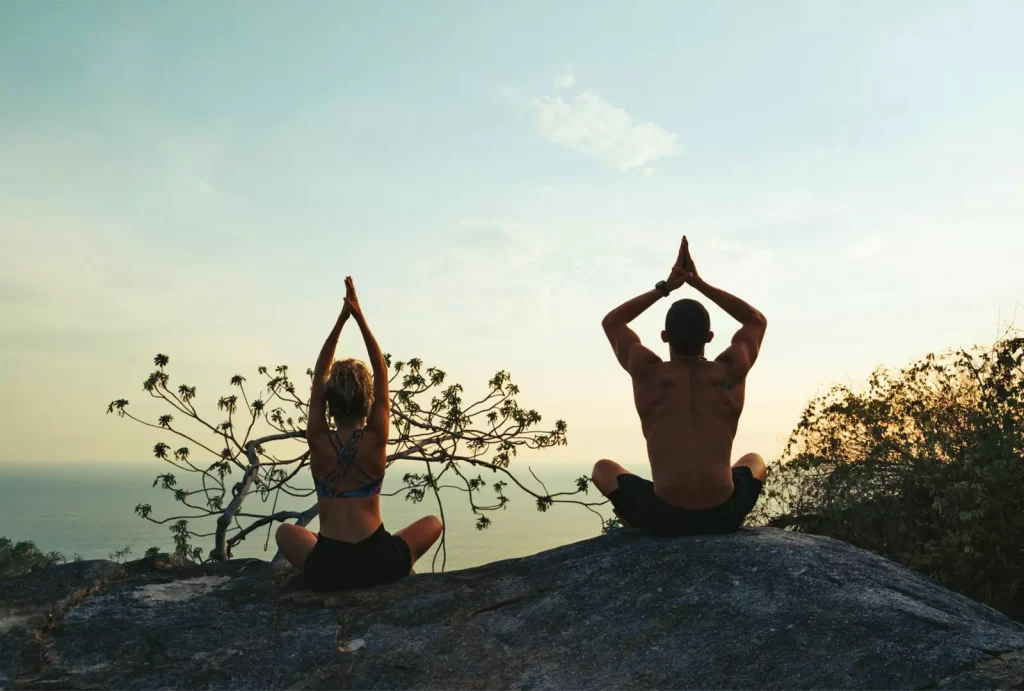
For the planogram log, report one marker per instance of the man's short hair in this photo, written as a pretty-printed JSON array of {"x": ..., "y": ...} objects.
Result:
[{"x": 687, "y": 326}]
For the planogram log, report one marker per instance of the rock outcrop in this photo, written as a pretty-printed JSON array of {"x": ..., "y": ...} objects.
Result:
[{"x": 759, "y": 609}]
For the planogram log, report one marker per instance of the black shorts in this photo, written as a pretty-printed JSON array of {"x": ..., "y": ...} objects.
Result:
[
  {"x": 336, "y": 565},
  {"x": 636, "y": 503}
]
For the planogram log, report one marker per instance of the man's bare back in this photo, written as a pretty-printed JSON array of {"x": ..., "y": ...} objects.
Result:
[{"x": 689, "y": 409}]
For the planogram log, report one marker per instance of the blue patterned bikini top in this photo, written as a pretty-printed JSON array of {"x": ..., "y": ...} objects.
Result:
[{"x": 326, "y": 486}]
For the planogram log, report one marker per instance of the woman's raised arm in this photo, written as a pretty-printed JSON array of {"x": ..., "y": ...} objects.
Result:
[
  {"x": 317, "y": 423},
  {"x": 379, "y": 419}
]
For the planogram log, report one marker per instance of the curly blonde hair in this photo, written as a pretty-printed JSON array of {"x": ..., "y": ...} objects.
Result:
[{"x": 349, "y": 390}]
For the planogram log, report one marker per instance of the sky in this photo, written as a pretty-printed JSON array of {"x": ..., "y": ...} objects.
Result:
[{"x": 198, "y": 178}]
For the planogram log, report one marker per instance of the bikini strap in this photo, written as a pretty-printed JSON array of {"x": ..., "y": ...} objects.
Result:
[{"x": 346, "y": 456}]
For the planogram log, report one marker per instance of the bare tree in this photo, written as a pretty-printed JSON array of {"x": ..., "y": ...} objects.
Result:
[{"x": 263, "y": 438}]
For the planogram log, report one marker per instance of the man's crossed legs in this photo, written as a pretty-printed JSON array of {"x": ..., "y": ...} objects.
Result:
[{"x": 637, "y": 506}]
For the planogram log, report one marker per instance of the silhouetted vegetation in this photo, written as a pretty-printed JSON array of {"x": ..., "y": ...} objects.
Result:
[
  {"x": 17, "y": 558},
  {"x": 923, "y": 466},
  {"x": 262, "y": 438}
]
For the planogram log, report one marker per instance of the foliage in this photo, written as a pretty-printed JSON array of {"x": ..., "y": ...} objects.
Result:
[
  {"x": 923, "y": 467},
  {"x": 21, "y": 557},
  {"x": 120, "y": 555},
  {"x": 262, "y": 438}
]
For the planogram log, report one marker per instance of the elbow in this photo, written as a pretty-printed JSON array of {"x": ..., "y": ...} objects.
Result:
[
  {"x": 755, "y": 322},
  {"x": 757, "y": 319},
  {"x": 609, "y": 321}
]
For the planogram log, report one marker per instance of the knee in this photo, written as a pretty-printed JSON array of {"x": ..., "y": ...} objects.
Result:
[
  {"x": 605, "y": 474},
  {"x": 757, "y": 466},
  {"x": 433, "y": 525},
  {"x": 283, "y": 532},
  {"x": 602, "y": 469}
]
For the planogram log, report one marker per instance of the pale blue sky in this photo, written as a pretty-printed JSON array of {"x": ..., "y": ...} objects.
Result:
[{"x": 198, "y": 178}]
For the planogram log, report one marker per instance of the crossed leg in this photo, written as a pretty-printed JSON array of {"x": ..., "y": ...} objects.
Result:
[
  {"x": 756, "y": 464},
  {"x": 606, "y": 473},
  {"x": 420, "y": 535},
  {"x": 606, "y": 478},
  {"x": 295, "y": 543}
]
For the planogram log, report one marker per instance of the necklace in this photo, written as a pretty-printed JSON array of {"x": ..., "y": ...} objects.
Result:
[{"x": 690, "y": 358}]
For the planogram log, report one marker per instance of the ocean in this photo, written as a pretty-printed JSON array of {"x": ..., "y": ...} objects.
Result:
[{"x": 88, "y": 510}]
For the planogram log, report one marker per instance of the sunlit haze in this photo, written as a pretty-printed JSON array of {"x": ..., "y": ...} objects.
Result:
[{"x": 198, "y": 179}]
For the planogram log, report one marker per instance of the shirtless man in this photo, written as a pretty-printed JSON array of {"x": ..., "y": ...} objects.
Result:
[{"x": 689, "y": 408}]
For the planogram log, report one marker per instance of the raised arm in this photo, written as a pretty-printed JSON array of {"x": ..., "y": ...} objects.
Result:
[
  {"x": 379, "y": 419},
  {"x": 746, "y": 343},
  {"x": 630, "y": 352},
  {"x": 317, "y": 423},
  {"x": 634, "y": 357}
]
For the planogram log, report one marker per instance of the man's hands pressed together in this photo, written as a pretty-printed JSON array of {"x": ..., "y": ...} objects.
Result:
[{"x": 683, "y": 271}]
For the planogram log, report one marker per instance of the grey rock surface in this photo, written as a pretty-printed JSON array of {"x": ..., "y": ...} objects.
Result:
[{"x": 761, "y": 608}]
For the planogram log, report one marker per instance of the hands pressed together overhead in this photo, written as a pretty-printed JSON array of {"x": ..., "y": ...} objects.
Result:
[
  {"x": 351, "y": 301},
  {"x": 684, "y": 270}
]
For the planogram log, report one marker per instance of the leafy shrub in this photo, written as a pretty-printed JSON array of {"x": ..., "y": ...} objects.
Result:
[
  {"x": 17, "y": 558},
  {"x": 924, "y": 467}
]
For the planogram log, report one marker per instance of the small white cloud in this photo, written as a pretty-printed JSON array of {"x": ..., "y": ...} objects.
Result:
[
  {"x": 564, "y": 82},
  {"x": 592, "y": 126},
  {"x": 865, "y": 247}
]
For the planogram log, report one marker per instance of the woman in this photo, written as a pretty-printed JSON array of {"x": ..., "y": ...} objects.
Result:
[{"x": 352, "y": 549}]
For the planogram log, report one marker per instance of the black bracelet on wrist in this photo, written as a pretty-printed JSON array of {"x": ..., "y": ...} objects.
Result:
[{"x": 663, "y": 287}]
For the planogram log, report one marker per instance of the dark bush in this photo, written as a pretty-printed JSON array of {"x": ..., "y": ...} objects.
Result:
[
  {"x": 923, "y": 467},
  {"x": 22, "y": 557}
]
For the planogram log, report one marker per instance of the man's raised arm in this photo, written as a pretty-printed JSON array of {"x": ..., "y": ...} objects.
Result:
[
  {"x": 747, "y": 341},
  {"x": 631, "y": 353}
]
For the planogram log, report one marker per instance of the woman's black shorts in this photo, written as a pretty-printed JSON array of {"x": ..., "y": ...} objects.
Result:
[{"x": 336, "y": 565}]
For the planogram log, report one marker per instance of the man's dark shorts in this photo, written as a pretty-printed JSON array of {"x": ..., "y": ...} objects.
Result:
[{"x": 637, "y": 504}]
